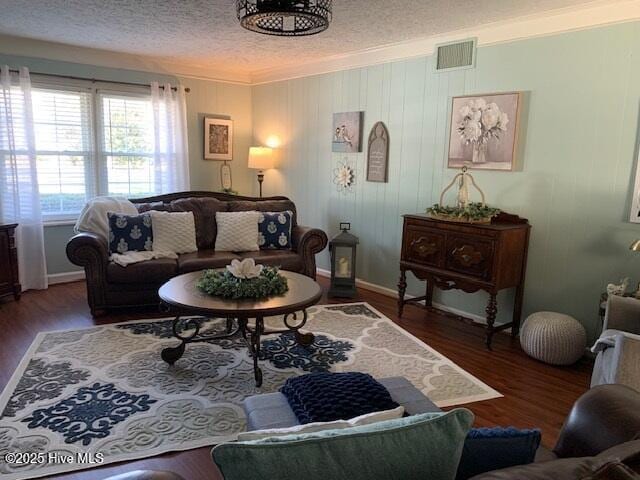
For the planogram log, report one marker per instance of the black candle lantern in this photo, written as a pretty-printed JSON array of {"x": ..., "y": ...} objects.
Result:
[{"x": 343, "y": 263}]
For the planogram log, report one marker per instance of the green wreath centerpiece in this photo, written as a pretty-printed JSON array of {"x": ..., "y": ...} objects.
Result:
[
  {"x": 243, "y": 280},
  {"x": 474, "y": 212}
]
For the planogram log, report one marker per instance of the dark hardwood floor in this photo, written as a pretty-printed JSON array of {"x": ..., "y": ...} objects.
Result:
[{"x": 535, "y": 394}]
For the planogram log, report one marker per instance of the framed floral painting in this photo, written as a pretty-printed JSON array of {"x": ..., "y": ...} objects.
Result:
[{"x": 483, "y": 132}]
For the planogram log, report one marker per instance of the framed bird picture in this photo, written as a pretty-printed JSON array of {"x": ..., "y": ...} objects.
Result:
[{"x": 347, "y": 132}]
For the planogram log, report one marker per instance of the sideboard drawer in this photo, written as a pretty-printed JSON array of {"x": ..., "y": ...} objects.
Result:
[
  {"x": 470, "y": 255},
  {"x": 424, "y": 246}
]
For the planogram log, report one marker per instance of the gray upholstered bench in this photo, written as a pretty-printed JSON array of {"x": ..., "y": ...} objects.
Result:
[{"x": 271, "y": 410}]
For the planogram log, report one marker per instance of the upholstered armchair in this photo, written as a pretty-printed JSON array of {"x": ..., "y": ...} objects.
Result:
[{"x": 618, "y": 347}]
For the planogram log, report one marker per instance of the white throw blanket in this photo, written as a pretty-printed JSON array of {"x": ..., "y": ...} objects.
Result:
[
  {"x": 608, "y": 339},
  {"x": 128, "y": 258},
  {"x": 94, "y": 219}
]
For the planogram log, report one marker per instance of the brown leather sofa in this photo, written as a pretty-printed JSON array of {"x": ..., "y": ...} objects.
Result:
[
  {"x": 600, "y": 437},
  {"x": 110, "y": 285}
]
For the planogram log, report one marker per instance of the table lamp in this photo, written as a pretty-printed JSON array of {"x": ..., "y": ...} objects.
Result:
[{"x": 260, "y": 158}]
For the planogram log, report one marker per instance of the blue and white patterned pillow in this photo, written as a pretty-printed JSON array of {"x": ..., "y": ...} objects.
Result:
[
  {"x": 130, "y": 233},
  {"x": 274, "y": 230}
]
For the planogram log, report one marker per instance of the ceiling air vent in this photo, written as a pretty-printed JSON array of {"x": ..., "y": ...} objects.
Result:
[{"x": 455, "y": 55}]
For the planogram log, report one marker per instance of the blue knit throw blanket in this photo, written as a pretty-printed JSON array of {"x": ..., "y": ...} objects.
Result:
[{"x": 324, "y": 397}]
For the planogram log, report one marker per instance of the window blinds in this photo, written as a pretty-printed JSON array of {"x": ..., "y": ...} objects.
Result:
[
  {"x": 65, "y": 150},
  {"x": 89, "y": 142},
  {"x": 127, "y": 144}
]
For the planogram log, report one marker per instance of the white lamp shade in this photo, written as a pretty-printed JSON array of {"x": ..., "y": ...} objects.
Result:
[{"x": 260, "y": 158}]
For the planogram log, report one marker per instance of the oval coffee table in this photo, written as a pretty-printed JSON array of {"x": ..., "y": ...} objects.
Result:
[{"x": 180, "y": 295}]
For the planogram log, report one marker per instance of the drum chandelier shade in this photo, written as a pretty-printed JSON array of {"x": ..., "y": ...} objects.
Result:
[{"x": 286, "y": 18}]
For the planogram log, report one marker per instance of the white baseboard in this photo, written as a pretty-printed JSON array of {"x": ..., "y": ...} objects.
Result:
[
  {"x": 388, "y": 292},
  {"x": 65, "y": 277}
]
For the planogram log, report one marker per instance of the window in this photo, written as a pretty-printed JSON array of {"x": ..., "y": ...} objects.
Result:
[
  {"x": 91, "y": 142},
  {"x": 127, "y": 136},
  {"x": 64, "y": 150}
]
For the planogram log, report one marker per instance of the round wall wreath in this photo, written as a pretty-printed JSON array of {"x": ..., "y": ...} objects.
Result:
[{"x": 223, "y": 283}]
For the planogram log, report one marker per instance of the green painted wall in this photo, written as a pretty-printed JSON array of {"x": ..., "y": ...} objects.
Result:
[
  {"x": 575, "y": 183},
  {"x": 206, "y": 97},
  {"x": 55, "y": 242},
  {"x": 576, "y": 178}
]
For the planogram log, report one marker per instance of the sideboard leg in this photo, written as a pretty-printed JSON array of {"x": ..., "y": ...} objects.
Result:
[
  {"x": 492, "y": 311},
  {"x": 517, "y": 311},
  {"x": 428, "y": 302},
  {"x": 402, "y": 288}
]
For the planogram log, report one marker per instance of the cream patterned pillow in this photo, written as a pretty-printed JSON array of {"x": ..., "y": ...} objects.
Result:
[
  {"x": 173, "y": 232},
  {"x": 237, "y": 231}
]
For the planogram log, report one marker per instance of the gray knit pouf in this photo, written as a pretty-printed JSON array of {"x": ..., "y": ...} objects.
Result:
[{"x": 553, "y": 338}]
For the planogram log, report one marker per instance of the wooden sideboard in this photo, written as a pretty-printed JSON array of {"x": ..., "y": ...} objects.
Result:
[
  {"x": 9, "y": 282},
  {"x": 469, "y": 257}
]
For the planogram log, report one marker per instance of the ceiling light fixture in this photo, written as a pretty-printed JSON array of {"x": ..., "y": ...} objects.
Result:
[{"x": 286, "y": 18}]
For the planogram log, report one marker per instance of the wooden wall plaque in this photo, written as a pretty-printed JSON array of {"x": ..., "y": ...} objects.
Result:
[{"x": 378, "y": 154}]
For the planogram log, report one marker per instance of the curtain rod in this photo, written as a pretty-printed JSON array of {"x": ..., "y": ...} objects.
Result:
[{"x": 71, "y": 77}]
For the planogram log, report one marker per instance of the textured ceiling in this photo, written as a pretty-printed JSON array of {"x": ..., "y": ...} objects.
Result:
[{"x": 206, "y": 33}]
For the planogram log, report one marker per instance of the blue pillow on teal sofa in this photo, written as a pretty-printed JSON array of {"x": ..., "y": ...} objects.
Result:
[
  {"x": 130, "y": 233},
  {"x": 488, "y": 449},
  {"x": 420, "y": 447},
  {"x": 274, "y": 230}
]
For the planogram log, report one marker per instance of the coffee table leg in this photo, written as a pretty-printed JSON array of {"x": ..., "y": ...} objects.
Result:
[
  {"x": 172, "y": 354},
  {"x": 304, "y": 339},
  {"x": 229, "y": 325},
  {"x": 254, "y": 348}
]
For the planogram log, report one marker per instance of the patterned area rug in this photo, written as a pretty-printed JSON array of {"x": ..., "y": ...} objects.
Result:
[{"x": 103, "y": 394}]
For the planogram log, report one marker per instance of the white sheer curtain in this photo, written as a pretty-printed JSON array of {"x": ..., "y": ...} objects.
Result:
[
  {"x": 171, "y": 155},
  {"x": 19, "y": 196}
]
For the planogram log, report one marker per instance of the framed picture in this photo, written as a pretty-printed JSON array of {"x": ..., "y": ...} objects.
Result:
[
  {"x": 347, "y": 132},
  {"x": 218, "y": 139},
  {"x": 483, "y": 131},
  {"x": 634, "y": 215}
]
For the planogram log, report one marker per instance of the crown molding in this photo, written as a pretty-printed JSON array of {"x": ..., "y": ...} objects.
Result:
[
  {"x": 28, "y": 47},
  {"x": 595, "y": 14}
]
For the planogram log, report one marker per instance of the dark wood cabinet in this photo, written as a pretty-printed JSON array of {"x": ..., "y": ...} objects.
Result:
[
  {"x": 9, "y": 282},
  {"x": 469, "y": 257}
]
